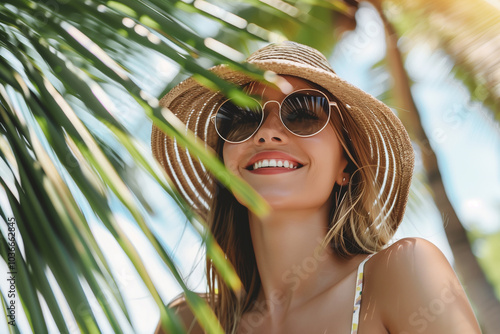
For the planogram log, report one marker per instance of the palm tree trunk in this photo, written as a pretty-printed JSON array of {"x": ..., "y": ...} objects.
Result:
[{"x": 478, "y": 288}]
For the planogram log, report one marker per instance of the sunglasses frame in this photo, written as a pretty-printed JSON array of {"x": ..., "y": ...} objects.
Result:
[{"x": 330, "y": 104}]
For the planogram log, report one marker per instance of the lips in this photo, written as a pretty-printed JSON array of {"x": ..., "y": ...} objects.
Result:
[{"x": 273, "y": 160}]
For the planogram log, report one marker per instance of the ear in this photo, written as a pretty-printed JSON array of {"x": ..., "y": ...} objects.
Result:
[{"x": 344, "y": 179}]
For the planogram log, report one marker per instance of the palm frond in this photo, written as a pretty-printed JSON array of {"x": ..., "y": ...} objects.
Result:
[
  {"x": 466, "y": 30},
  {"x": 56, "y": 62}
]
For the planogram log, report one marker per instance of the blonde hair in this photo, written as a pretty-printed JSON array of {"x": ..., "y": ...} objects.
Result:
[{"x": 358, "y": 222}]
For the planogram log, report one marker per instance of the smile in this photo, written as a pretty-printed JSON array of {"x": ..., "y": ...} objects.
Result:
[{"x": 274, "y": 163}]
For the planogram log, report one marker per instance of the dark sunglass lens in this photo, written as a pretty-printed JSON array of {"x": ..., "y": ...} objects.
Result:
[
  {"x": 237, "y": 123},
  {"x": 305, "y": 112}
]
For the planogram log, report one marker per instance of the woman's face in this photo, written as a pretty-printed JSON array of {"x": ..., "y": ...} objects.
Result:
[{"x": 319, "y": 159}]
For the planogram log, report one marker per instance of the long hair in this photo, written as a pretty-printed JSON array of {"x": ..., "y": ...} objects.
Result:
[
  {"x": 358, "y": 223},
  {"x": 228, "y": 222}
]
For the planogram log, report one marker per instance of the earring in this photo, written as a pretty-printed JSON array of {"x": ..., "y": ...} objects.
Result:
[{"x": 343, "y": 179}]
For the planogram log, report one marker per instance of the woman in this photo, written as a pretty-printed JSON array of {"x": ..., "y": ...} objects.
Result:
[{"x": 335, "y": 165}]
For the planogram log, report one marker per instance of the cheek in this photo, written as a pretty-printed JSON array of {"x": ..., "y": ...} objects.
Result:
[
  {"x": 328, "y": 164},
  {"x": 230, "y": 155},
  {"x": 328, "y": 152},
  {"x": 325, "y": 172}
]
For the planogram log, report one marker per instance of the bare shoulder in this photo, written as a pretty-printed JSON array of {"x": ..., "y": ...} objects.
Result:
[
  {"x": 182, "y": 310},
  {"x": 418, "y": 291},
  {"x": 409, "y": 252}
]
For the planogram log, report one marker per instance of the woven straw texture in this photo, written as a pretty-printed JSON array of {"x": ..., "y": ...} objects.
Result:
[{"x": 194, "y": 104}]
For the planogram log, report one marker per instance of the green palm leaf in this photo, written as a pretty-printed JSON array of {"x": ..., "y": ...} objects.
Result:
[{"x": 53, "y": 57}]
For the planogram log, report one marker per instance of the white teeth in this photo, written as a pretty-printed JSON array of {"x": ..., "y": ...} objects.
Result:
[{"x": 274, "y": 163}]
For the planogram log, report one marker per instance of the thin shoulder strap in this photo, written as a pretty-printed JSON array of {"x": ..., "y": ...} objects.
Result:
[{"x": 357, "y": 295}]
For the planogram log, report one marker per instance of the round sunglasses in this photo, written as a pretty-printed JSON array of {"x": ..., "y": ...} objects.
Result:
[{"x": 304, "y": 113}]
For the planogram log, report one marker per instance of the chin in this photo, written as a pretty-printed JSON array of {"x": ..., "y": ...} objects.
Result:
[{"x": 285, "y": 204}]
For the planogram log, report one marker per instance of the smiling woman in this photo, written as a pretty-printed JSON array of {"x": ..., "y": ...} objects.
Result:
[{"x": 335, "y": 166}]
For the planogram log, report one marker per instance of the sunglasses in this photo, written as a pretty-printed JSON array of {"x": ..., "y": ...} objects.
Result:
[{"x": 304, "y": 113}]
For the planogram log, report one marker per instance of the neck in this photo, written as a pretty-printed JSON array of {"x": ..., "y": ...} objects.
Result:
[{"x": 293, "y": 266}]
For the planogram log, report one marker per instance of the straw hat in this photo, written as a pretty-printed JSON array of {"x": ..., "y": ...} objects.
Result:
[{"x": 194, "y": 104}]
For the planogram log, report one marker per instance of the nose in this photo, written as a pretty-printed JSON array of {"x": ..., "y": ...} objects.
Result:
[{"x": 272, "y": 129}]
